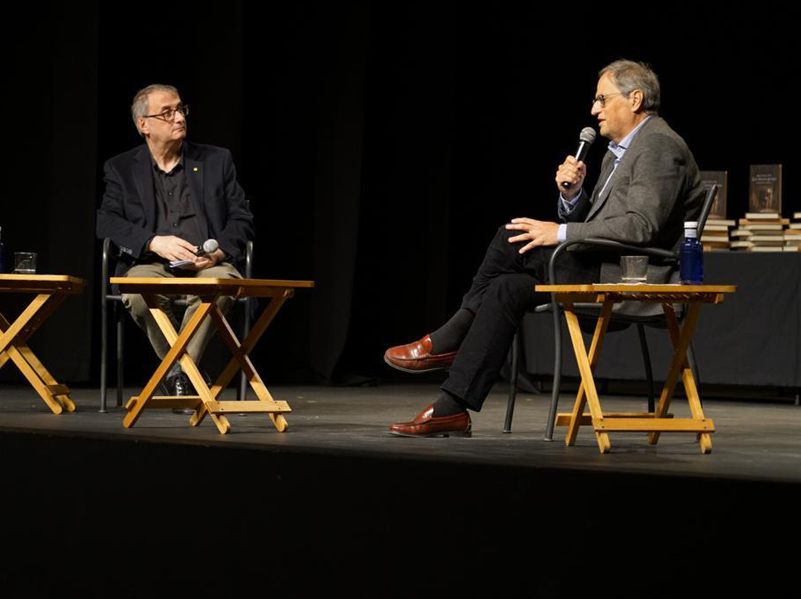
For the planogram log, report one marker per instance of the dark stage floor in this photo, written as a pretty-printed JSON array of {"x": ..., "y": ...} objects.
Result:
[
  {"x": 337, "y": 503},
  {"x": 754, "y": 441}
]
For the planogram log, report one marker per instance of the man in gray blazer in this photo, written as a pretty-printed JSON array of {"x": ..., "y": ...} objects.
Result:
[{"x": 648, "y": 186}]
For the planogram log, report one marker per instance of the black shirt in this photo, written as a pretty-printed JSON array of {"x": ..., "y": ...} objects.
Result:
[{"x": 175, "y": 214}]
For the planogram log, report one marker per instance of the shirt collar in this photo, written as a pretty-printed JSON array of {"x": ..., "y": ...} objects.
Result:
[
  {"x": 178, "y": 166},
  {"x": 619, "y": 149}
]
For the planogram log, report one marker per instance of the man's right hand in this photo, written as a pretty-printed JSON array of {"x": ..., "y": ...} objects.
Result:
[
  {"x": 572, "y": 172},
  {"x": 172, "y": 248}
]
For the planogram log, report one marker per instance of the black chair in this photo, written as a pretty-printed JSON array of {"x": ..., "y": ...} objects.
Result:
[
  {"x": 618, "y": 322},
  {"x": 107, "y": 296}
]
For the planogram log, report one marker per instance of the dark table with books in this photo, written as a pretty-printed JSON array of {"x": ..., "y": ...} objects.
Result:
[{"x": 754, "y": 338}]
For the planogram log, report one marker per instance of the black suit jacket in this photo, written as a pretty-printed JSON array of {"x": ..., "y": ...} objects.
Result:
[{"x": 128, "y": 212}]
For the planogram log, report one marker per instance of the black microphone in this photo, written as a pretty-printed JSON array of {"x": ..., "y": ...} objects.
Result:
[{"x": 586, "y": 138}]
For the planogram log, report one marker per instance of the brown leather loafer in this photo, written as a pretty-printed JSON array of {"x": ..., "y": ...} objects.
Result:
[
  {"x": 425, "y": 425},
  {"x": 417, "y": 357}
]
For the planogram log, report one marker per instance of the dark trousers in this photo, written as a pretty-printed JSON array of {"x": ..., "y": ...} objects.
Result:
[{"x": 501, "y": 293}]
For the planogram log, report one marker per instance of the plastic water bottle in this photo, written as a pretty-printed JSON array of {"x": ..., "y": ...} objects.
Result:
[{"x": 691, "y": 256}]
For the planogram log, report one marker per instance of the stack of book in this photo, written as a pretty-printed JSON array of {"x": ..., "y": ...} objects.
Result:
[
  {"x": 792, "y": 235},
  {"x": 760, "y": 232},
  {"x": 763, "y": 229},
  {"x": 716, "y": 234}
]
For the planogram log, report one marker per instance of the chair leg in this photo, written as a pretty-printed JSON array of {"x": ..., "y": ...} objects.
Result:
[
  {"x": 649, "y": 374},
  {"x": 241, "y": 393},
  {"x": 103, "y": 352},
  {"x": 510, "y": 404},
  {"x": 557, "y": 371},
  {"x": 120, "y": 313}
]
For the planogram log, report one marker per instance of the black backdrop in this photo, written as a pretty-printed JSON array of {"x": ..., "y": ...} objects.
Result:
[{"x": 381, "y": 144}]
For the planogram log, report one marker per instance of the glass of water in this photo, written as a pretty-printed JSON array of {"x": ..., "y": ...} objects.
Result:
[
  {"x": 25, "y": 263},
  {"x": 634, "y": 269}
]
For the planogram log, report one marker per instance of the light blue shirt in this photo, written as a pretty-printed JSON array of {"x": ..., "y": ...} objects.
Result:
[{"x": 567, "y": 206}]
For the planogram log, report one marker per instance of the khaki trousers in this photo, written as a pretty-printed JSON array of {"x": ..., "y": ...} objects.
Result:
[{"x": 136, "y": 306}]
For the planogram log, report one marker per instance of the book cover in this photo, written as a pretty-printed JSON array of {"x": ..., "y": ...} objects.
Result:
[
  {"x": 765, "y": 190},
  {"x": 721, "y": 178}
]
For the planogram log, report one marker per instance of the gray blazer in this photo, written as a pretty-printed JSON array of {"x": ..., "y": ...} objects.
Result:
[{"x": 655, "y": 188}]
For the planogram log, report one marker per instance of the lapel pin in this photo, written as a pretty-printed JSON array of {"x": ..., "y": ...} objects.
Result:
[{"x": 194, "y": 169}]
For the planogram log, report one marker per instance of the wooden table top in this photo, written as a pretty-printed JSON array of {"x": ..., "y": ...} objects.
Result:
[
  {"x": 619, "y": 292},
  {"x": 200, "y": 286},
  {"x": 36, "y": 283},
  {"x": 637, "y": 288}
]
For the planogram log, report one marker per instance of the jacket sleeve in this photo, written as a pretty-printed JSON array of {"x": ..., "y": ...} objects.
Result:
[
  {"x": 579, "y": 211},
  {"x": 130, "y": 238},
  {"x": 238, "y": 229}
]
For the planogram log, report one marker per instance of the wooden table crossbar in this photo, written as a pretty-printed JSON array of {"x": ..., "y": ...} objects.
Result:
[
  {"x": 207, "y": 402},
  {"x": 607, "y": 295},
  {"x": 50, "y": 292}
]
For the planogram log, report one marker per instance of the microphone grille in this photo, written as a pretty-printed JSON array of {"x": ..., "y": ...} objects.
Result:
[
  {"x": 210, "y": 245},
  {"x": 587, "y": 135}
]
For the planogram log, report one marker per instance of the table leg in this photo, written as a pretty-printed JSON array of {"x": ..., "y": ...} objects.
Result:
[
  {"x": 40, "y": 308},
  {"x": 586, "y": 365},
  {"x": 240, "y": 359},
  {"x": 177, "y": 351},
  {"x": 681, "y": 341},
  {"x": 13, "y": 346},
  {"x": 208, "y": 305}
]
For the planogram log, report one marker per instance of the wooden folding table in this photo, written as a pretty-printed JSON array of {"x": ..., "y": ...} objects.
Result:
[
  {"x": 207, "y": 401},
  {"x": 653, "y": 423},
  {"x": 50, "y": 291}
]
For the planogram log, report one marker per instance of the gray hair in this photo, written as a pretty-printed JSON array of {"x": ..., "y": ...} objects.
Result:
[
  {"x": 628, "y": 75},
  {"x": 141, "y": 101}
]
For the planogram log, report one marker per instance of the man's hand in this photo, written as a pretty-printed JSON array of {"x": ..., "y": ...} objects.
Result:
[
  {"x": 172, "y": 248},
  {"x": 537, "y": 233},
  {"x": 572, "y": 172},
  {"x": 206, "y": 260}
]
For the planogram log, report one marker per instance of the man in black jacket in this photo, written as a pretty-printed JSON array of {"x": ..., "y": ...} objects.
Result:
[{"x": 162, "y": 200}]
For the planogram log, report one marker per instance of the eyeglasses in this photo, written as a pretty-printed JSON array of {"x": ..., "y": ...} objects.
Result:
[
  {"x": 602, "y": 98},
  {"x": 169, "y": 114}
]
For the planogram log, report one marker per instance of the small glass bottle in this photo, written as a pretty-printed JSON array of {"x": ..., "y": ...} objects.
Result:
[{"x": 691, "y": 256}]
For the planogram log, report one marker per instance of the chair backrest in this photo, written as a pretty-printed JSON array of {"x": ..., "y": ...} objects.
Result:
[
  {"x": 109, "y": 257},
  {"x": 709, "y": 199}
]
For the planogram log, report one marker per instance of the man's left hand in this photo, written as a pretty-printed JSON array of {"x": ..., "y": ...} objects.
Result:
[
  {"x": 207, "y": 260},
  {"x": 536, "y": 232}
]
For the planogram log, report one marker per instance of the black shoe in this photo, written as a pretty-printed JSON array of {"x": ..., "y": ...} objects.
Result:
[{"x": 181, "y": 386}]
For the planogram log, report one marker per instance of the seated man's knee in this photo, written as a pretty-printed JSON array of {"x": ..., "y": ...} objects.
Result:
[
  {"x": 513, "y": 289},
  {"x": 504, "y": 234},
  {"x": 501, "y": 243},
  {"x": 223, "y": 270}
]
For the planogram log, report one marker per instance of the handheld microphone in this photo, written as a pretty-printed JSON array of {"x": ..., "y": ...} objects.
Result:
[
  {"x": 209, "y": 246},
  {"x": 586, "y": 138}
]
